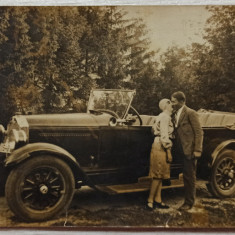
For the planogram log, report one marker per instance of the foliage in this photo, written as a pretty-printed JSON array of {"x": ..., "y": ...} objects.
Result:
[
  {"x": 51, "y": 57},
  {"x": 15, "y": 65},
  {"x": 205, "y": 72},
  {"x": 60, "y": 53},
  {"x": 219, "y": 80}
]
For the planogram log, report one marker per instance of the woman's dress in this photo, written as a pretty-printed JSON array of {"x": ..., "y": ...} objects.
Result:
[{"x": 163, "y": 132}]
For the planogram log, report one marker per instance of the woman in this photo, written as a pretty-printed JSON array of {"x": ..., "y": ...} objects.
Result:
[{"x": 160, "y": 156}]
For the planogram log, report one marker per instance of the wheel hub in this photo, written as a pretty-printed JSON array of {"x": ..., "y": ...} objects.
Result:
[
  {"x": 230, "y": 174},
  {"x": 43, "y": 189},
  {"x": 225, "y": 174},
  {"x": 226, "y": 171}
]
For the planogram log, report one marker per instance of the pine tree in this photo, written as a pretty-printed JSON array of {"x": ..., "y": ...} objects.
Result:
[
  {"x": 213, "y": 64},
  {"x": 16, "y": 62},
  {"x": 220, "y": 34}
]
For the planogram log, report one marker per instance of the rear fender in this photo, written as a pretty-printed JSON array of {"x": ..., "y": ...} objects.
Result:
[
  {"x": 221, "y": 147},
  {"x": 32, "y": 150}
]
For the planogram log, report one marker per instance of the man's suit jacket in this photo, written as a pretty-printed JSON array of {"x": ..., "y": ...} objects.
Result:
[{"x": 189, "y": 132}]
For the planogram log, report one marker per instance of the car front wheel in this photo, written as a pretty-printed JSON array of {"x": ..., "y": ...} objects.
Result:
[
  {"x": 222, "y": 182},
  {"x": 40, "y": 188}
]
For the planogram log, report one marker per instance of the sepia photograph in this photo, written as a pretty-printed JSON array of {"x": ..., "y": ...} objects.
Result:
[{"x": 117, "y": 117}]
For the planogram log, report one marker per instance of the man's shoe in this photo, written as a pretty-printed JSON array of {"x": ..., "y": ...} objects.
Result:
[
  {"x": 161, "y": 205},
  {"x": 185, "y": 207}
]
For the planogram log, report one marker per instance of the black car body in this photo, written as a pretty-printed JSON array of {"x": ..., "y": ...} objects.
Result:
[{"x": 47, "y": 156}]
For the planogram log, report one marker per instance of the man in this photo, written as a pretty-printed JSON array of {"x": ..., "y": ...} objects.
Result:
[{"x": 189, "y": 137}]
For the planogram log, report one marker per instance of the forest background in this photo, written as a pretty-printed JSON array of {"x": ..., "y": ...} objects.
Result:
[{"x": 51, "y": 57}]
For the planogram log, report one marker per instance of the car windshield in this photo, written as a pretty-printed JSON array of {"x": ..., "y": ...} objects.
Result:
[{"x": 117, "y": 101}]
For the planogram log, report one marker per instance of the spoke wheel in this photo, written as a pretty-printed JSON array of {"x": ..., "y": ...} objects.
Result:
[
  {"x": 40, "y": 188},
  {"x": 223, "y": 175}
]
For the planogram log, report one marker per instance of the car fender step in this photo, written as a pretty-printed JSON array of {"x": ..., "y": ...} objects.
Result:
[{"x": 142, "y": 185}]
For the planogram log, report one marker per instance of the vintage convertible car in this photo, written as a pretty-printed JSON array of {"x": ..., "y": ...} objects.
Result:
[{"x": 46, "y": 157}]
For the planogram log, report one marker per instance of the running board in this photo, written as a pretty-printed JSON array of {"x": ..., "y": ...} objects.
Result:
[{"x": 142, "y": 185}]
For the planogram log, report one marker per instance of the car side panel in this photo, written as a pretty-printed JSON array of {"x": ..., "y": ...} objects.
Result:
[{"x": 81, "y": 142}]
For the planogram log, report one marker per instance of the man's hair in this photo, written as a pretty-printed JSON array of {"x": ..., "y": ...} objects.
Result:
[{"x": 179, "y": 95}]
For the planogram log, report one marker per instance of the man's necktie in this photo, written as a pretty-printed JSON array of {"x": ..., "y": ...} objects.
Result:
[{"x": 173, "y": 118}]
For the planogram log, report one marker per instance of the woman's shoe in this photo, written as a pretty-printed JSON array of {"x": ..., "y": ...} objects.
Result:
[
  {"x": 148, "y": 207},
  {"x": 161, "y": 205}
]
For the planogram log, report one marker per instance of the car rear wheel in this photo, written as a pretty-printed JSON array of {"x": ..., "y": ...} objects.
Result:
[
  {"x": 3, "y": 178},
  {"x": 222, "y": 182},
  {"x": 40, "y": 188}
]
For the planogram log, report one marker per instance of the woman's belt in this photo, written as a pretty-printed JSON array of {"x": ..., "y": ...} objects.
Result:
[{"x": 160, "y": 136}]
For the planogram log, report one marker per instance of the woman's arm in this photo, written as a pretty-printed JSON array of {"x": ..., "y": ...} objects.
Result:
[{"x": 164, "y": 132}]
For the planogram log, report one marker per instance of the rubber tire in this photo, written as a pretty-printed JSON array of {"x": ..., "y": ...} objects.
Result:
[
  {"x": 16, "y": 177},
  {"x": 212, "y": 186},
  {"x": 3, "y": 178}
]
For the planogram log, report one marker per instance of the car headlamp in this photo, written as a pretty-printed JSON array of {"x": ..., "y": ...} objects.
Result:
[
  {"x": 17, "y": 136},
  {"x": 2, "y": 132}
]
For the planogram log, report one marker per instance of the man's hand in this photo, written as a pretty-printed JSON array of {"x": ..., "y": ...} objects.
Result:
[{"x": 197, "y": 155}]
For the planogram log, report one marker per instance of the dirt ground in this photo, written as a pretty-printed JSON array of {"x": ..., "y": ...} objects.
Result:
[{"x": 96, "y": 210}]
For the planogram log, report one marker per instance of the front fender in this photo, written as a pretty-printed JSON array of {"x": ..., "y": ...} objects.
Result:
[
  {"x": 34, "y": 149},
  {"x": 21, "y": 154},
  {"x": 220, "y": 148}
]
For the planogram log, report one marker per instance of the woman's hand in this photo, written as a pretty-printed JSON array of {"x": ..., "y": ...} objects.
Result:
[
  {"x": 197, "y": 155},
  {"x": 168, "y": 156}
]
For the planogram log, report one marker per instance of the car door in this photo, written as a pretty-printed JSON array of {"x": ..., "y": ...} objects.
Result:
[
  {"x": 140, "y": 142},
  {"x": 113, "y": 147}
]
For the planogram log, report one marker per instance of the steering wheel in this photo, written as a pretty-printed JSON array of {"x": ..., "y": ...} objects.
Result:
[
  {"x": 108, "y": 111},
  {"x": 137, "y": 114}
]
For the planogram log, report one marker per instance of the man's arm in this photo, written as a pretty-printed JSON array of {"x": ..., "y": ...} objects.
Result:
[{"x": 198, "y": 133}]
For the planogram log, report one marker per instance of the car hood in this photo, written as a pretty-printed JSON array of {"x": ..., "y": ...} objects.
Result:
[{"x": 73, "y": 119}]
